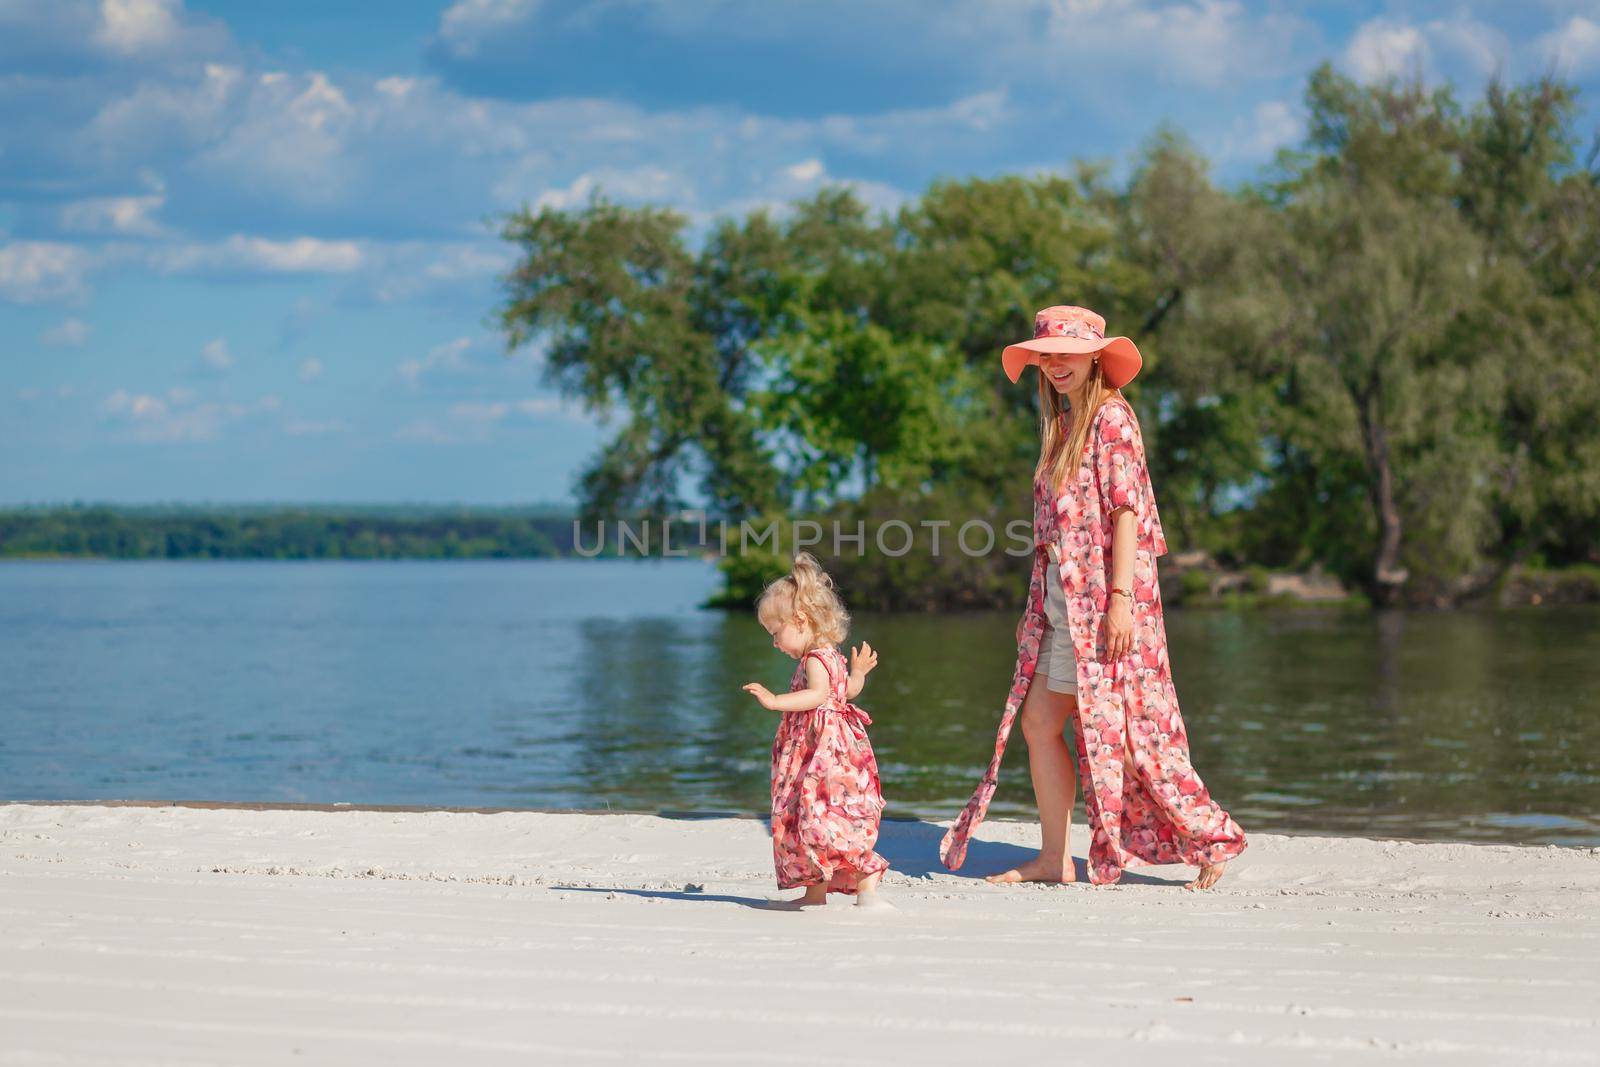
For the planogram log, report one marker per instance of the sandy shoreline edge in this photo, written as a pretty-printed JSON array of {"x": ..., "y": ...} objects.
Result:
[
  {"x": 201, "y": 932},
  {"x": 664, "y": 813}
]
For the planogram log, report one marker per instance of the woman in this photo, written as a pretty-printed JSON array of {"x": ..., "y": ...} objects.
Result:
[{"x": 1093, "y": 634}]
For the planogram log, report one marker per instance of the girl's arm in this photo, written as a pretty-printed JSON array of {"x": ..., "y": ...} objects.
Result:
[
  {"x": 862, "y": 660},
  {"x": 815, "y": 692}
]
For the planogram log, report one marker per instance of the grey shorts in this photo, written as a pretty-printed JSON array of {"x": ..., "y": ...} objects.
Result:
[{"x": 1058, "y": 664}]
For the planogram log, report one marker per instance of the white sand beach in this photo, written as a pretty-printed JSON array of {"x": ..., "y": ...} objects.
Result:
[{"x": 182, "y": 935}]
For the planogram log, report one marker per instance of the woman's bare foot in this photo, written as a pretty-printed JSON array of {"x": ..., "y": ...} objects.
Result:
[
  {"x": 815, "y": 896},
  {"x": 1209, "y": 876},
  {"x": 1038, "y": 869},
  {"x": 867, "y": 893},
  {"x": 873, "y": 901}
]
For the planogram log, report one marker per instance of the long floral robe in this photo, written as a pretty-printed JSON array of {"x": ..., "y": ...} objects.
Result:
[{"x": 1161, "y": 812}]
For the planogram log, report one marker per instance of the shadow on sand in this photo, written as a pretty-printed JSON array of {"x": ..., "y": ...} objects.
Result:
[
  {"x": 910, "y": 845},
  {"x": 912, "y": 848},
  {"x": 670, "y": 894}
]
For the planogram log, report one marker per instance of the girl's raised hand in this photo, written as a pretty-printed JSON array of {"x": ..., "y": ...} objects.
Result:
[
  {"x": 762, "y": 694},
  {"x": 863, "y": 659}
]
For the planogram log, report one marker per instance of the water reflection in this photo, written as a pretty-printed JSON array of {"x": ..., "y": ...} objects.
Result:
[{"x": 599, "y": 684}]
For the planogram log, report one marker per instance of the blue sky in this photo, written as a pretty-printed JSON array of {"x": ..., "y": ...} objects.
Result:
[{"x": 243, "y": 248}]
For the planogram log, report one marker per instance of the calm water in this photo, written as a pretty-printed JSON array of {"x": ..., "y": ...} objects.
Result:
[{"x": 594, "y": 684}]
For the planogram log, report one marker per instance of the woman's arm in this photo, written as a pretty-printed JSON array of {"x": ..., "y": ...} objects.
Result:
[
  {"x": 1119, "y": 605},
  {"x": 1124, "y": 538},
  {"x": 815, "y": 692}
]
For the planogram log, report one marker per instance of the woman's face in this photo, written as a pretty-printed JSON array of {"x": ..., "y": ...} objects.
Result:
[{"x": 1067, "y": 373}]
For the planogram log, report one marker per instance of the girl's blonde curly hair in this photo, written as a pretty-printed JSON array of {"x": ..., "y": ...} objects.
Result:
[{"x": 808, "y": 589}]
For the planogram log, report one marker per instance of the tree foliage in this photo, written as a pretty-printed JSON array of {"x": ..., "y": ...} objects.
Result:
[{"x": 1383, "y": 357}]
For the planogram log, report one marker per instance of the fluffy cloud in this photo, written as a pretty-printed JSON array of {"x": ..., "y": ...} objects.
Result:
[
  {"x": 47, "y": 35},
  {"x": 1271, "y": 125},
  {"x": 475, "y": 421},
  {"x": 313, "y": 428},
  {"x": 1461, "y": 47},
  {"x": 34, "y": 272},
  {"x": 441, "y": 359},
  {"x": 123, "y": 216},
  {"x": 1575, "y": 47},
  {"x": 533, "y": 407},
  {"x": 310, "y": 370},
  {"x": 1382, "y": 49},
  {"x": 215, "y": 354},
  {"x": 792, "y": 60},
  {"x": 69, "y": 333},
  {"x": 244, "y": 254},
  {"x": 465, "y": 26},
  {"x": 178, "y": 415}
]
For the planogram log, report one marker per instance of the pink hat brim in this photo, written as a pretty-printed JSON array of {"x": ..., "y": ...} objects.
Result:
[{"x": 1118, "y": 356}]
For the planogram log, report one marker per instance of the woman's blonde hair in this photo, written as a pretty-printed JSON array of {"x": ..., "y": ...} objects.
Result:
[
  {"x": 806, "y": 588},
  {"x": 1061, "y": 450}
]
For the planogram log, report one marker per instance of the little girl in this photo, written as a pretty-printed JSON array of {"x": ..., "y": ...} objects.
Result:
[{"x": 826, "y": 798}]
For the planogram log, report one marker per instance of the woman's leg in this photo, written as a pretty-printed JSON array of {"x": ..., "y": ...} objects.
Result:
[{"x": 1055, "y": 784}]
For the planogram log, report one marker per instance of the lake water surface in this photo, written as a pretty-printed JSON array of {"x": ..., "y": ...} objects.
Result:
[{"x": 600, "y": 684}]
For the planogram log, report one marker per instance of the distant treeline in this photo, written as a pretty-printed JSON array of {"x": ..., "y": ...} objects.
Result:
[{"x": 406, "y": 532}]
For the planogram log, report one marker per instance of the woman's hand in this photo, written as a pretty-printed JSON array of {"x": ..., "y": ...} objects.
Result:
[
  {"x": 762, "y": 694},
  {"x": 1119, "y": 627},
  {"x": 862, "y": 660}
]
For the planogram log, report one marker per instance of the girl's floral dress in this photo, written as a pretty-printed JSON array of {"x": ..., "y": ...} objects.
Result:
[
  {"x": 826, "y": 797},
  {"x": 1157, "y": 811}
]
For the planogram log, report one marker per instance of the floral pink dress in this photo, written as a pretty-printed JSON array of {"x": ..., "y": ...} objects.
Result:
[
  {"x": 1160, "y": 811},
  {"x": 826, "y": 797}
]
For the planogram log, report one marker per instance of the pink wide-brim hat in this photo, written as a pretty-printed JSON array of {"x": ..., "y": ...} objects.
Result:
[{"x": 1076, "y": 331}]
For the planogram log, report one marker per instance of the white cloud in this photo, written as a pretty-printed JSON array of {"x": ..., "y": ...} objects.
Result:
[
  {"x": 310, "y": 369},
  {"x": 1473, "y": 46},
  {"x": 310, "y": 428},
  {"x": 131, "y": 26},
  {"x": 1574, "y": 48},
  {"x": 807, "y": 170},
  {"x": 247, "y": 254},
  {"x": 481, "y": 413},
  {"x": 35, "y": 272},
  {"x": 178, "y": 415},
  {"x": 449, "y": 356},
  {"x": 474, "y": 421},
  {"x": 215, "y": 354},
  {"x": 1210, "y": 43},
  {"x": 1383, "y": 49},
  {"x": 115, "y": 215},
  {"x": 127, "y": 34},
  {"x": 467, "y": 25},
  {"x": 69, "y": 333},
  {"x": 424, "y": 431},
  {"x": 1459, "y": 48},
  {"x": 1271, "y": 125},
  {"x": 648, "y": 183}
]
